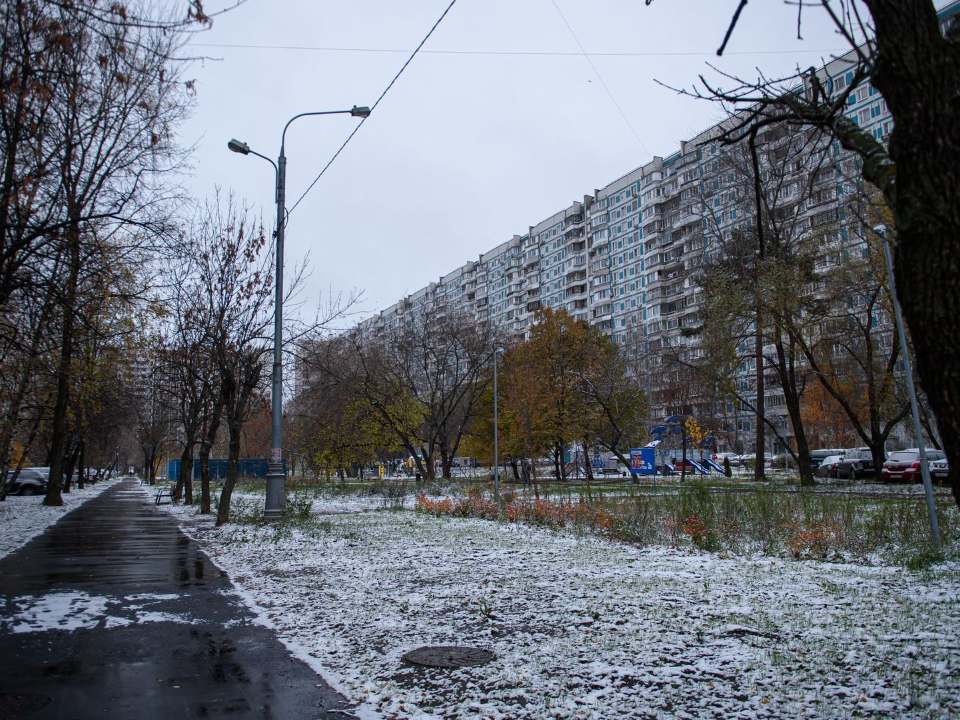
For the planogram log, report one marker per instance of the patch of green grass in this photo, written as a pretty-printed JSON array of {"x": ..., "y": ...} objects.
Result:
[{"x": 922, "y": 558}]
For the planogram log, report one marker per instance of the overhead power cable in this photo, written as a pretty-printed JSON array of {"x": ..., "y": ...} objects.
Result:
[
  {"x": 374, "y": 106},
  {"x": 597, "y": 73}
]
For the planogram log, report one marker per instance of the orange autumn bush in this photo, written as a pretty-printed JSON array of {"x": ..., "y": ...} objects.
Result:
[{"x": 535, "y": 512}]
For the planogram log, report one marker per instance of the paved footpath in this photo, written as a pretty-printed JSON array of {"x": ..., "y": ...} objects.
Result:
[{"x": 114, "y": 613}]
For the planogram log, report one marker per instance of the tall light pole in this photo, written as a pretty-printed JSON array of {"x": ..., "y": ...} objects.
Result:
[
  {"x": 881, "y": 230},
  {"x": 276, "y": 474},
  {"x": 496, "y": 448}
]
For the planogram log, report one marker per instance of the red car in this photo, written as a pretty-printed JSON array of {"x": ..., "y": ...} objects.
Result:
[{"x": 904, "y": 465}]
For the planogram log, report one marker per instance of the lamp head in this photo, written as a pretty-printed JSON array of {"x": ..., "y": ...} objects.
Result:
[
  {"x": 239, "y": 147},
  {"x": 360, "y": 112}
]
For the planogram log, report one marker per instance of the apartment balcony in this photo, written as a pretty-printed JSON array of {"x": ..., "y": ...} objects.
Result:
[
  {"x": 672, "y": 262},
  {"x": 599, "y": 281},
  {"x": 576, "y": 275},
  {"x": 533, "y": 305},
  {"x": 669, "y": 308},
  {"x": 653, "y": 227},
  {"x": 514, "y": 288},
  {"x": 576, "y": 290},
  {"x": 578, "y": 246},
  {"x": 688, "y": 216},
  {"x": 602, "y": 247},
  {"x": 602, "y": 312},
  {"x": 571, "y": 233}
]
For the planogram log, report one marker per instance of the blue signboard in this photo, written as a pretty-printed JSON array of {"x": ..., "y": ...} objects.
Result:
[{"x": 642, "y": 461}]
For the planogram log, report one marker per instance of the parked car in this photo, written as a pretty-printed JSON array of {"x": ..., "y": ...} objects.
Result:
[
  {"x": 818, "y": 456},
  {"x": 27, "y": 482},
  {"x": 742, "y": 460},
  {"x": 828, "y": 468},
  {"x": 905, "y": 465},
  {"x": 732, "y": 457},
  {"x": 856, "y": 463}
]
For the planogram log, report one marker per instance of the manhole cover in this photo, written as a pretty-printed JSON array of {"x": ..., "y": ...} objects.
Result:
[{"x": 449, "y": 656}]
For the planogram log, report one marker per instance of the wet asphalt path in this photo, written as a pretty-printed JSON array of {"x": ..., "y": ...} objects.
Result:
[{"x": 114, "y": 613}]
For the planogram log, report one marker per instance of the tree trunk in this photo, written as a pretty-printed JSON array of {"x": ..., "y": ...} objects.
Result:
[
  {"x": 206, "y": 444},
  {"x": 205, "y": 478},
  {"x": 81, "y": 463},
  {"x": 150, "y": 460},
  {"x": 683, "y": 459},
  {"x": 588, "y": 471},
  {"x": 916, "y": 70},
  {"x": 233, "y": 463},
  {"x": 786, "y": 369},
  {"x": 761, "y": 439},
  {"x": 184, "y": 486},
  {"x": 58, "y": 438},
  {"x": 70, "y": 464}
]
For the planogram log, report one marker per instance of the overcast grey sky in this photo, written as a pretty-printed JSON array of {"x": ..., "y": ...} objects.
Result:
[{"x": 468, "y": 148}]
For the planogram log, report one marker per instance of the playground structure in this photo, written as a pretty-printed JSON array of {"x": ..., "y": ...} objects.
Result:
[{"x": 670, "y": 440}]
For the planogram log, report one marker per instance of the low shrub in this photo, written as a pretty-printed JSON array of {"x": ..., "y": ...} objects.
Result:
[{"x": 804, "y": 525}]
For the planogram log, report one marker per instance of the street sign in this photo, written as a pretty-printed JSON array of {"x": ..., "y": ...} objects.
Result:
[{"x": 642, "y": 461}]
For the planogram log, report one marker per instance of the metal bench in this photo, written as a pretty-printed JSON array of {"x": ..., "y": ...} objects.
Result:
[{"x": 162, "y": 493}]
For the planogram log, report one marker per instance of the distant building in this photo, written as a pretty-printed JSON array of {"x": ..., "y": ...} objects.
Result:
[{"x": 627, "y": 258}]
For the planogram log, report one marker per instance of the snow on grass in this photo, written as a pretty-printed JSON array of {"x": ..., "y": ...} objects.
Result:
[
  {"x": 583, "y": 627},
  {"x": 23, "y": 518}
]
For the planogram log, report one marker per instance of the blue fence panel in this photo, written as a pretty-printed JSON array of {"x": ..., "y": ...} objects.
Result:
[{"x": 255, "y": 467}]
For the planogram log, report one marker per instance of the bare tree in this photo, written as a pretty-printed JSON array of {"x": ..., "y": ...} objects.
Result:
[
  {"x": 426, "y": 381},
  {"x": 902, "y": 50},
  {"x": 115, "y": 105},
  {"x": 234, "y": 268}
]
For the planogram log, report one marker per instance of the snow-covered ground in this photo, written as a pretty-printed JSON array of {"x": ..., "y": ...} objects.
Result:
[
  {"x": 583, "y": 627},
  {"x": 23, "y": 518}
]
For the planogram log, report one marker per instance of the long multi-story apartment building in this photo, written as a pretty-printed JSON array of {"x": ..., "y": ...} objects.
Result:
[{"x": 628, "y": 258}]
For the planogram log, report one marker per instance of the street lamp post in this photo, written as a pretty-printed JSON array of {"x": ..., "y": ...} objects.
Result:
[
  {"x": 496, "y": 438},
  {"x": 881, "y": 230},
  {"x": 276, "y": 474}
]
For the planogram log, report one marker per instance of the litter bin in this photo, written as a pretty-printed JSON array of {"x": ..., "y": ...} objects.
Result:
[{"x": 418, "y": 476}]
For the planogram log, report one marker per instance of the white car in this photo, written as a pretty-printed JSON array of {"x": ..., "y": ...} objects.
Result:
[{"x": 828, "y": 468}]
